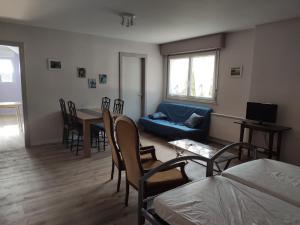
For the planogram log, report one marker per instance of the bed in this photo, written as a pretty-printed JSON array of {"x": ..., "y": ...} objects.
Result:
[
  {"x": 222, "y": 201},
  {"x": 259, "y": 192},
  {"x": 276, "y": 178}
]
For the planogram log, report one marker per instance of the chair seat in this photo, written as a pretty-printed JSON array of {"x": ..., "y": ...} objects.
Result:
[
  {"x": 147, "y": 161},
  {"x": 76, "y": 128},
  {"x": 146, "y": 157},
  {"x": 163, "y": 181},
  {"x": 98, "y": 126},
  {"x": 150, "y": 164}
]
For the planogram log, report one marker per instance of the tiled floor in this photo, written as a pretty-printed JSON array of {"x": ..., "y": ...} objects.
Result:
[{"x": 11, "y": 137}]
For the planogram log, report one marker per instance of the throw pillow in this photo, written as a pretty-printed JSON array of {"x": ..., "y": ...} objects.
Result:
[
  {"x": 158, "y": 115},
  {"x": 194, "y": 120}
]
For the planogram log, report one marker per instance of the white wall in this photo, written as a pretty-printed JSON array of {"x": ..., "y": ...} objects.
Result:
[
  {"x": 276, "y": 78},
  {"x": 233, "y": 93},
  {"x": 270, "y": 56},
  {"x": 97, "y": 54}
]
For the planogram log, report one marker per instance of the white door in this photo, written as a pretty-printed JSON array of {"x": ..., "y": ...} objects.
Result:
[{"x": 131, "y": 86}]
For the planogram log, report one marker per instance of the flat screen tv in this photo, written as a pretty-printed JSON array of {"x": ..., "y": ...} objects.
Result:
[{"x": 261, "y": 112}]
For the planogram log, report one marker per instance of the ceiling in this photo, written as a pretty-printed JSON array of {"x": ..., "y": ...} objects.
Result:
[{"x": 157, "y": 21}]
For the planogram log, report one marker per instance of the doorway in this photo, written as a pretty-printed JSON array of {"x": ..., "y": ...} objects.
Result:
[
  {"x": 132, "y": 69},
  {"x": 12, "y": 130}
]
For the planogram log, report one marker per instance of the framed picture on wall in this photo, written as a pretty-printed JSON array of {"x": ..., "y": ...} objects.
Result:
[
  {"x": 81, "y": 72},
  {"x": 92, "y": 83},
  {"x": 236, "y": 71},
  {"x": 102, "y": 78},
  {"x": 54, "y": 64}
]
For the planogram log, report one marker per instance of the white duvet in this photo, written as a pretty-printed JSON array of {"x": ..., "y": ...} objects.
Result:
[
  {"x": 222, "y": 201},
  {"x": 276, "y": 178}
]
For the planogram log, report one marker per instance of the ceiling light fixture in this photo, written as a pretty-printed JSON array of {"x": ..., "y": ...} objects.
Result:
[{"x": 127, "y": 19}]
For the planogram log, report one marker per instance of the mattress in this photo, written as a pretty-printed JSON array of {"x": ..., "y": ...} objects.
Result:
[
  {"x": 221, "y": 201},
  {"x": 276, "y": 178}
]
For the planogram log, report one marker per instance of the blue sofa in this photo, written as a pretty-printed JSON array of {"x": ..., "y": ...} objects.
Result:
[{"x": 173, "y": 128}]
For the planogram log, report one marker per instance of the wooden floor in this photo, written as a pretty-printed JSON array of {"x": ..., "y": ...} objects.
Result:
[{"x": 50, "y": 185}]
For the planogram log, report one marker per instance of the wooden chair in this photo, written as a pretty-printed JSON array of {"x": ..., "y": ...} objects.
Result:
[
  {"x": 98, "y": 128},
  {"x": 105, "y": 104},
  {"x": 147, "y": 152},
  {"x": 76, "y": 127},
  {"x": 66, "y": 122},
  {"x": 118, "y": 106},
  {"x": 128, "y": 140}
]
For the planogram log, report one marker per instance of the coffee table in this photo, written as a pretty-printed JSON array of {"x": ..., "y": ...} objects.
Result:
[{"x": 186, "y": 146}]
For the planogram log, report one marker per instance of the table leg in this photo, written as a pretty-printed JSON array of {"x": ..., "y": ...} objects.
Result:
[
  {"x": 250, "y": 140},
  {"x": 217, "y": 165},
  {"x": 210, "y": 169},
  {"x": 278, "y": 145},
  {"x": 271, "y": 139},
  {"x": 86, "y": 139},
  {"x": 241, "y": 140},
  {"x": 227, "y": 164}
]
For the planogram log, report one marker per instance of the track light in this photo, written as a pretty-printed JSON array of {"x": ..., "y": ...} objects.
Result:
[{"x": 127, "y": 19}]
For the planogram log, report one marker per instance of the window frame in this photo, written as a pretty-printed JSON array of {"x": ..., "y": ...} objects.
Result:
[{"x": 216, "y": 52}]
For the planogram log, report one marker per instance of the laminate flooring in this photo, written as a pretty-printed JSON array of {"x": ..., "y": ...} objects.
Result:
[{"x": 49, "y": 185}]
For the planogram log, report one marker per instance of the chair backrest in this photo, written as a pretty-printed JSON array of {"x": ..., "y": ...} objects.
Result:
[
  {"x": 105, "y": 103},
  {"x": 118, "y": 106},
  {"x": 127, "y": 136},
  {"x": 63, "y": 110},
  {"x": 72, "y": 113},
  {"x": 109, "y": 131}
]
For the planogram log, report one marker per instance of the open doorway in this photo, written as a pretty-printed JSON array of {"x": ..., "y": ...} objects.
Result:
[
  {"x": 11, "y": 98},
  {"x": 132, "y": 69}
]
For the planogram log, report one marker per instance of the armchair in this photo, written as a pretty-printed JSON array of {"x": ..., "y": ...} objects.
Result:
[{"x": 128, "y": 140}]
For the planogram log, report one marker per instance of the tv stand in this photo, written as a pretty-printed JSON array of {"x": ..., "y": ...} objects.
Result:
[
  {"x": 271, "y": 129},
  {"x": 260, "y": 123}
]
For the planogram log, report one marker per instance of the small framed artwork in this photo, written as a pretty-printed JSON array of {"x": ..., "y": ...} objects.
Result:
[
  {"x": 81, "y": 72},
  {"x": 236, "y": 71},
  {"x": 102, "y": 78},
  {"x": 92, "y": 83},
  {"x": 54, "y": 64}
]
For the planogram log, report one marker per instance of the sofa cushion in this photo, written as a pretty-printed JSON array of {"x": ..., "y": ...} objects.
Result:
[
  {"x": 158, "y": 115},
  {"x": 169, "y": 124},
  {"x": 194, "y": 120},
  {"x": 171, "y": 130}
]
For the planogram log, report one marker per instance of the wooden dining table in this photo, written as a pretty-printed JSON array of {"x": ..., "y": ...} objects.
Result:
[{"x": 87, "y": 117}]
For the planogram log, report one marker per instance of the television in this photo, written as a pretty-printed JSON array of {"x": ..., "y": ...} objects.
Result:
[{"x": 261, "y": 112}]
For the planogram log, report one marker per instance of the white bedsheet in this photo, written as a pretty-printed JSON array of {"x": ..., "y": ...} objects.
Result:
[
  {"x": 221, "y": 201},
  {"x": 276, "y": 178}
]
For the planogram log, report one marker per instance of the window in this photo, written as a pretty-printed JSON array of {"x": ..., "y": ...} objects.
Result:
[
  {"x": 192, "y": 76},
  {"x": 6, "y": 70}
]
